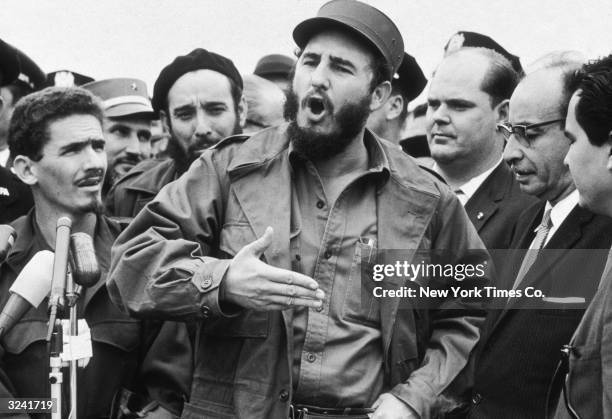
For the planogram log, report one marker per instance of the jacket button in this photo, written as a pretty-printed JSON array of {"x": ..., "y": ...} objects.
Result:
[
  {"x": 205, "y": 311},
  {"x": 477, "y": 398},
  {"x": 320, "y": 204},
  {"x": 207, "y": 282},
  {"x": 311, "y": 357},
  {"x": 284, "y": 395},
  {"x": 319, "y": 309},
  {"x": 327, "y": 254}
]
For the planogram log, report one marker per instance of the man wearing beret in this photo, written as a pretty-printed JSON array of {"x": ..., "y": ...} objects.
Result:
[
  {"x": 127, "y": 124},
  {"x": 409, "y": 81},
  {"x": 199, "y": 99},
  {"x": 261, "y": 240}
]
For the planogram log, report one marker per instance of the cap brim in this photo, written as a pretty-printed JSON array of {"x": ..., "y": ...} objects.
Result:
[
  {"x": 306, "y": 29},
  {"x": 128, "y": 109}
]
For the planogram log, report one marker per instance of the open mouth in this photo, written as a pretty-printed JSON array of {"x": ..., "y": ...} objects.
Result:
[{"x": 316, "y": 105}]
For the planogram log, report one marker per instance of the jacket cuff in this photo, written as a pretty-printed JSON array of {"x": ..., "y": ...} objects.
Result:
[
  {"x": 207, "y": 280},
  {"x": 419, "y": 397}
]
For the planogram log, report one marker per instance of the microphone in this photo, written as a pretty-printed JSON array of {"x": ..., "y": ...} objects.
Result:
[
  {"x": 7, "y": 239},
  {"x": 83, "y": 262},
  {"x": 29, "y": 289},
  {"x": 60, "y": 265}
]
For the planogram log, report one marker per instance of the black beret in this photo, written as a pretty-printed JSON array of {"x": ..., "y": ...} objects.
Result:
[
  {"x": 475, "y": 39},
  {"x": 9, "y": 64},
  {"x": 410, "y": 78},
  {"x": 198, "y": 59}
]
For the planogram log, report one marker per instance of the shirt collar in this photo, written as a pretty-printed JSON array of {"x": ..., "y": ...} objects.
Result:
[
  {"x": 470, "y": 187},
  {"x": 560, "y": 211}
]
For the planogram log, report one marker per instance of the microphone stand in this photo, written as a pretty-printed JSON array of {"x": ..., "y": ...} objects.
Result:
[
  {"x": 55, "y": 364},
  {"x": 73, "y": 291}
]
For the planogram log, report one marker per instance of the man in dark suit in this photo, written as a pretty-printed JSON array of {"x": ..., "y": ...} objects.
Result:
[
  {"x": 522, "y": 341},
  {"x": 468, "y": 95},
  {"x": 588, "y": 385}
]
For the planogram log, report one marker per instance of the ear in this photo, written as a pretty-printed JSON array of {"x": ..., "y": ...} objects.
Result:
[
  {"x": 242, "y": 111},
  {"x": 394, "y": 107},
  {"x": 25, "y": 168},
  {"x": 163, "y": 117},
  {"x": 501, "y": 110},
  {"x": 380, "y": 95}
]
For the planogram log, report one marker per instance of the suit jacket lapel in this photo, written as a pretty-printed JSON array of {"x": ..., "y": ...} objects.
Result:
[{"x": 485, "y": 201}]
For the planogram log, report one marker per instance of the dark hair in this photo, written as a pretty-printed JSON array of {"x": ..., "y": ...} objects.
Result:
[
  {"x": 28, "y": 130},
  {"x": 501, "y": 79},
  {"x": 594, "y": 109}
]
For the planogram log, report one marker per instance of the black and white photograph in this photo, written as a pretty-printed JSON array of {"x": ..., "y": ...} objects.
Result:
[{"x": 305, "y": 209}]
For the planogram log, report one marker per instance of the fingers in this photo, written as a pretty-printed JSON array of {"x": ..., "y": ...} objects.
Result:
[
  {"x": 257, "y": 247},
  {"x": 295, "y": 291},
  {"x": 285, "y": 302},
  {"x": 284, "y": 276}
]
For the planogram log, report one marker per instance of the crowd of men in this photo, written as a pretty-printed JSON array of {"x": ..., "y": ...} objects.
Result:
[{"x": 234, "y": 217}]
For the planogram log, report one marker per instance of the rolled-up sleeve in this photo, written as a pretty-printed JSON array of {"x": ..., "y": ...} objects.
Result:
[{"x": 161, "y": 265}]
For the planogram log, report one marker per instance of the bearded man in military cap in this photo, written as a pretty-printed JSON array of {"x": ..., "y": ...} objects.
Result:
[{"x": 261, "y": 239}]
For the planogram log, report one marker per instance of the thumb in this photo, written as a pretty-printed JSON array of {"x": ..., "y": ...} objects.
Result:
[{"x": 257, "y": 247}]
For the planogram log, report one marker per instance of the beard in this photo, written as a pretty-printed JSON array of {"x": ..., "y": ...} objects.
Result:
[
  {"x": 184, "y": 157},
  {"x": 307, "y": 142}
]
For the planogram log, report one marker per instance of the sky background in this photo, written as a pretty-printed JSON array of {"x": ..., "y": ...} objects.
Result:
[{"x": 137, "y": 38}]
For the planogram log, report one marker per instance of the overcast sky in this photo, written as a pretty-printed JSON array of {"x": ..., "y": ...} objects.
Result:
[{"x": 137, "y": 38}]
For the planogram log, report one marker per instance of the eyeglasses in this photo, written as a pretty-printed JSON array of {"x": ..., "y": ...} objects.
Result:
[{"x": 521, "y": 133}]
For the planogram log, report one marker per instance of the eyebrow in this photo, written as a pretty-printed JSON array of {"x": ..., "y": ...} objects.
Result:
[
  {"x": 80, "y": 145},
  {"x": 341, "y": 61}
]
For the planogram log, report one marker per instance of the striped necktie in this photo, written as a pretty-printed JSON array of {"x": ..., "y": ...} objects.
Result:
[{"x": 532, "y": 254}]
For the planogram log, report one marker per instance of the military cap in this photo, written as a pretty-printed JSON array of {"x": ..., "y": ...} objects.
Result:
[
  {"x": 362, "y": 19},
  {"x": 122, "y": 96},
  {"x": 274, "y": 65},
  {"x": 9, "y": 64},
  {"x": 474, "y": 39},
  {"x": 410, "y": 78},
  {"x": 198, "y": 59},
  {"x": 30, "y": 74},
  {"x": 67, "y": 78}
]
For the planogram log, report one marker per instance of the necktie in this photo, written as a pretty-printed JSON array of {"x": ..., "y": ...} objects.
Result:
[
  {"x": 461, "y": 195},
  {"x": 532, "y": 253}
]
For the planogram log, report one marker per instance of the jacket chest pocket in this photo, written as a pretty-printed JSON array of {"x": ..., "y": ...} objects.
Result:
[
  {"x": 234, "y": 236},
  {"x": 360, "y": 305}
]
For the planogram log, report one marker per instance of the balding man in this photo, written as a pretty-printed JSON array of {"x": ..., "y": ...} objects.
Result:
[{"x": 523, "y": 340}]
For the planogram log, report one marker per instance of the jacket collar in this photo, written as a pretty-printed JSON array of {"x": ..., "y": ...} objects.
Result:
[{"x": 30, "y": 240}]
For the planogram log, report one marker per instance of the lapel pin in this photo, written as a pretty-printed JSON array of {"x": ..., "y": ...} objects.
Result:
[{"x": 480, "y": 215}]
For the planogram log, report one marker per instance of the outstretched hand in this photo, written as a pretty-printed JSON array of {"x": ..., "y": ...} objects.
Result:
[{"x": 255, "y": 285}]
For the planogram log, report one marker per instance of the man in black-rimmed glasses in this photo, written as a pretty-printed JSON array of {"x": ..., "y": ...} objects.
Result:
[{"x": 522, "y": 345}]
